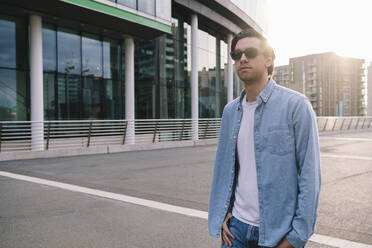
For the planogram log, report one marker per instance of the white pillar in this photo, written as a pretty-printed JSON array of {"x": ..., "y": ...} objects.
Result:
[
  {"x": 230, "y": 72},
  {"x": 129, "y": 90},
  {"x": 218, "y": 77},
  {"x": 194, "y": 78},
  {"x": 36, "y": 77}
]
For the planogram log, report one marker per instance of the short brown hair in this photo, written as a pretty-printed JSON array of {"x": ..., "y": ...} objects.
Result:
[{"x": 268, "y": 50}]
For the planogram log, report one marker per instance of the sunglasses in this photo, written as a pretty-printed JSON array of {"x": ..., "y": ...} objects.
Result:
[{"x": 250, "y": 53}]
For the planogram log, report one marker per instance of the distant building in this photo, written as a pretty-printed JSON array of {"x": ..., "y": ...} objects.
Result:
[
  {"x": 333, "y": 84},
  {"x": 281, "y": 75},
  {"x": 369, "y": 106}
]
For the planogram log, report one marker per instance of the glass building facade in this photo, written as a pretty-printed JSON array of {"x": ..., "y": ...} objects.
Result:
[
  {"x": 84, "y": 74},
  {"x": 84, "y": 69}
]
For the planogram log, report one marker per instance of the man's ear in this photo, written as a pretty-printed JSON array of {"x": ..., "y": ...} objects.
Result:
[{"x": 269, "y": 61}]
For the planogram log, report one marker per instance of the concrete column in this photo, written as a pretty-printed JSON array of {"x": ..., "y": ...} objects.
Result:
[
  {"x": 230, "y": 72},
  {"x": 218, "y": 77},
  {"x": 36, "y": 78},
  {"x": 129, "y": 90},
  {"x": 238, "y": 85},
  {"x": 194, "y": 78}
]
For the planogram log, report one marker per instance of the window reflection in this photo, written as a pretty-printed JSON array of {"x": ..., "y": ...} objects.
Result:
[
  {"x": 91, "y": 56},
  {"x": 96, "y": 91},
  {"x": 147, "y": 6},
  {"x": 129, "y": 3},
  {"x": 145, "y": 79},
  {"x": 49, "y": 96},
  {"x": 13, "y": 64},
  {"x": 69, "y": 105},
  {"x": 69, "y": 52},
  {"x": 49, "y": 49},
  {"x": 7, "y": 43}
]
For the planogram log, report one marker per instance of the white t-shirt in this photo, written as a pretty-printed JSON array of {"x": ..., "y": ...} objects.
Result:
[{"x": 246, "y": 193}]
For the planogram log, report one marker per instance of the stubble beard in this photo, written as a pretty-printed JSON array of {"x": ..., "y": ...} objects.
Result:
[{"x": 249, "y": 79}]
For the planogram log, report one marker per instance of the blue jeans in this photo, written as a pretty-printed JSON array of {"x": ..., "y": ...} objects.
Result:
[{"x": 246, "y": 236}]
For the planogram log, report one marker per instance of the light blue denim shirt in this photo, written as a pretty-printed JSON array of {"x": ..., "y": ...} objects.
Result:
[{"x": 288, "y": 166}]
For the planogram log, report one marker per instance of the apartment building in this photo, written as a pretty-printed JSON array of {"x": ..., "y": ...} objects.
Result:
[{"x": 333, "y": 84}]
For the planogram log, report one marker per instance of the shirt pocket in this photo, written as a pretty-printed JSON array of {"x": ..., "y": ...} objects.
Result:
[{"x": 279, "y": 140}]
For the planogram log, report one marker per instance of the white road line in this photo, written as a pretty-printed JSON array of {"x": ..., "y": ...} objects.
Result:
[
  {"x": 114, "y": 196},
  {"x": 344, "y": 138},
  {"x": 325, "y": 240},
  {"x": 336, "y": 242},
  {"x": 329, "y": 155}
]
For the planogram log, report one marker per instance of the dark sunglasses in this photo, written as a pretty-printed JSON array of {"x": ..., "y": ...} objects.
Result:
[{"x": 250, "y": 53}]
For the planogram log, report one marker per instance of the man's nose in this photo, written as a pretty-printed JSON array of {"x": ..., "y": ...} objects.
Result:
[{"x": 243, "y": 58}]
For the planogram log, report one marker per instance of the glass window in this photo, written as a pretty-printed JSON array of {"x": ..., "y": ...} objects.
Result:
[
  {"x": 113, "y": 88},
  {"x": 13, "y": 82},
  {"x": 145, "y": 77},
  {"x": 92, "y": 56},
  {"x": 129, "y": 3},
  {"x": 207, "y": 74},
  {"x": 49, "y": 96},
  {"x": 69, "y": 52},
  {"x": 92, "y": 98},
  {"x": 147, "y": 6},
  {"x": 69, "y": 103},
  {"x": 7, "y": 43},
  {"x": 13, "y": 95},
  {"x": 111, "y": 59},
  {"x": 13, "y": 43},
  {"x": 164, "y": 9},
  {"x": 49, "y": 49}
]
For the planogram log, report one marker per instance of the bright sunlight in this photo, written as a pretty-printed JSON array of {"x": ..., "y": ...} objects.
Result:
[{"x": 302, "y": 27}]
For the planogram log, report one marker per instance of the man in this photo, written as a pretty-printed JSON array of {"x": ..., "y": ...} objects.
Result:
[{"x": 266, "y": 180}]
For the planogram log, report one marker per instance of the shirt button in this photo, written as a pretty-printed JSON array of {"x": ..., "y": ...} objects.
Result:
[
  {"x": 225, "y": 206},
  {"x": 232, "y": 171},
  {"x": 238, "y": 120},
  {"x": 233, "y": 153},
  {"x": 230, "y": 189},
  {"x": 234, "y": 137}
]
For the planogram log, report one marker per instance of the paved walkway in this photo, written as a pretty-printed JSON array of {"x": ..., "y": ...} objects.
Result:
[{"x": 159, "y": 198}]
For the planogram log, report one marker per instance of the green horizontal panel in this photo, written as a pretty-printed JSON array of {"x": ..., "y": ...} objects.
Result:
[{"x": 110, "y": 10}]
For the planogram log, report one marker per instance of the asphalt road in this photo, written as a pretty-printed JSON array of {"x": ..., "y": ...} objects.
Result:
[{"x": 35, "y": 215}]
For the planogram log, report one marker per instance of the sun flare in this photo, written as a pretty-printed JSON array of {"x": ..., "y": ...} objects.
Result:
[{"x": 301, "y": 27}]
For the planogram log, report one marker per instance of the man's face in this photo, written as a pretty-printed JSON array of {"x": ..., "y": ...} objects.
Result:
[{"x": 251, "y": 69}]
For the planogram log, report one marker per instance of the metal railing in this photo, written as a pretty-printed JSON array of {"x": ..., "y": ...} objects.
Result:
[
  {"x": 51, "y": 135},
  {"x": 344, "y": 123},
  {"x": 19, "y": 136}
]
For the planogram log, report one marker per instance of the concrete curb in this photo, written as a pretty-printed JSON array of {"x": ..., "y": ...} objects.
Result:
[{"x": 7, "y": 156}]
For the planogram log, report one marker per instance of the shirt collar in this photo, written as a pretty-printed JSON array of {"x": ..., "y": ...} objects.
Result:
[
  {"x": 267, "y": 91},
  {"x": 264, "y": 94}
]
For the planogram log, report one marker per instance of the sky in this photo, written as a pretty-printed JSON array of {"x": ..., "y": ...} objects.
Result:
[{"x": 302, "y": 27}]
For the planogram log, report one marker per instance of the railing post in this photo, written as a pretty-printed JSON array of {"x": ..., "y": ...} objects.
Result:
[
  {"x": 342, "y": 124},
  {"x": 48, "y": 136},
  {"x": 89, "y": 133},
  {"x": 325, "y": 125},
  {"x": 348, "y": 128},
  {"x": 364, "y": 122},
  {"x": 206, "y": 129},
  {"x": 183, "y": 129},
  {"x": 125, "y": 131},
  {"x": 334, "y": 125},
  {"x": 1, "y": 134},
  {"x": 155, "y": 131},
  {"x": 357, "y": 125}
]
